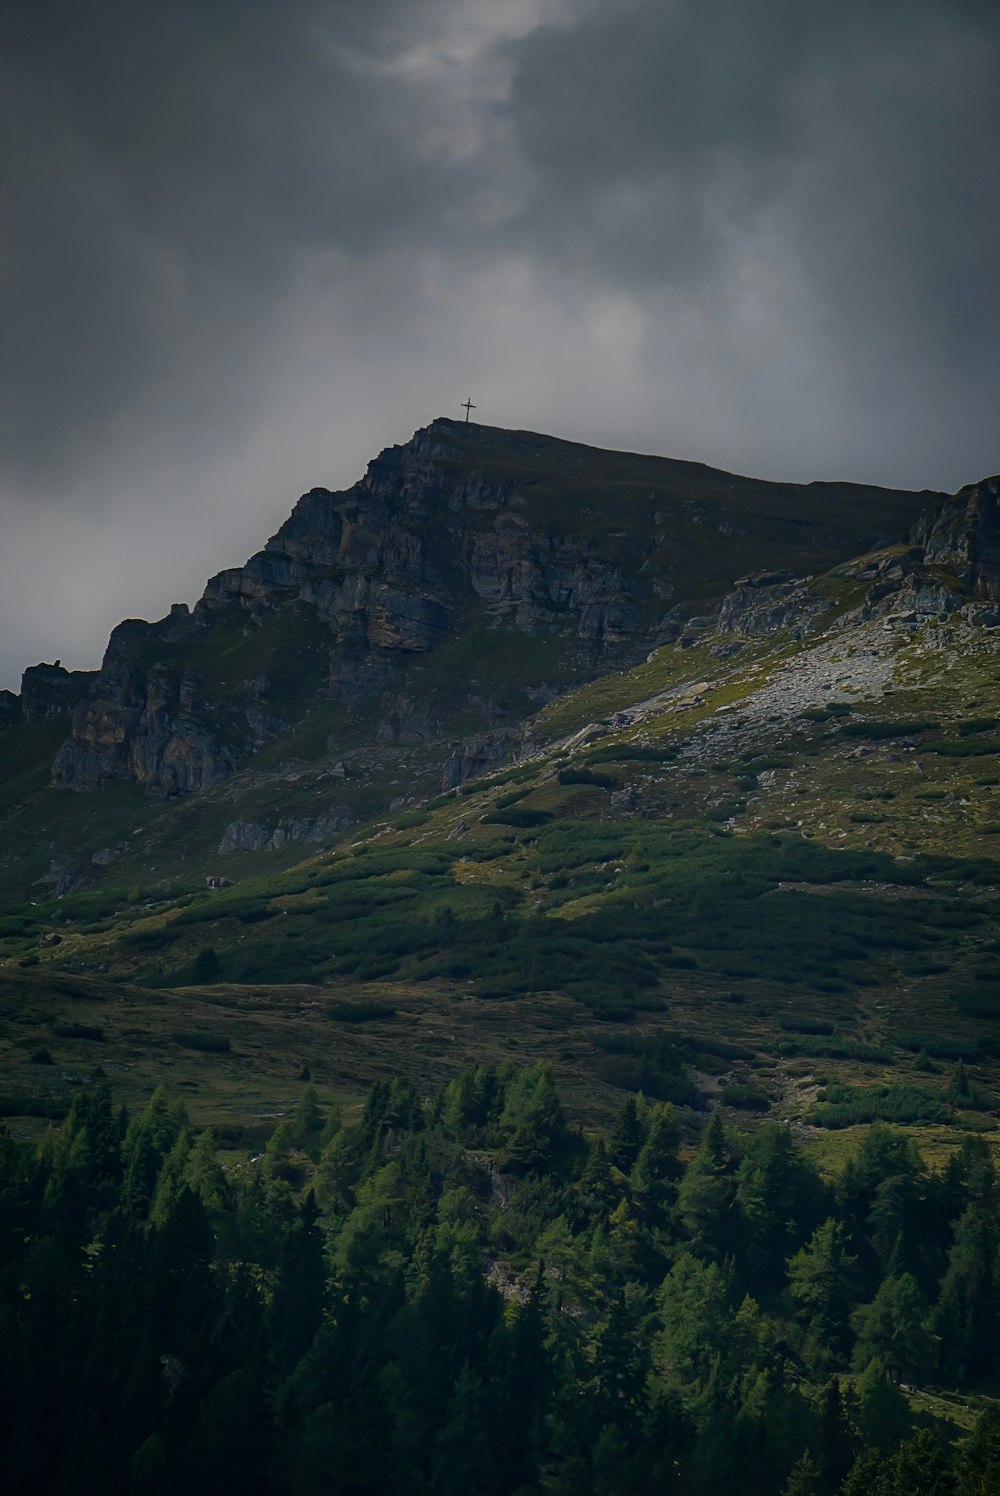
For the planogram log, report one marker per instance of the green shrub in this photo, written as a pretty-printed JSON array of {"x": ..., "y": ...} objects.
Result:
[
  {"x": 206, "y": 1042},
  {"x": 971, "y": 749},
  {"x": 360, "y": 1012},
  {"x": 874, "y": 729},
  {"x": 586, "y": 776},
  {"x": 513, "y": 798},
  {"x": 412, "y": 819},
  {"x": 940, "y": 1048},
  {"x": 632, "y": 753},
  {"x": 150, "y": 940},
  {"x": 846, "y": 1106},
  {"x": 656, "y": 1067},
  {"x": 256, "y": 915},
  {"x": 54, "y": 1107},
  {"x": 746, "y": 1097},
  {"x": 78, "y": 1031},
  {"x": 801, "y": 1024},
  {"x": 518, "y": 816}
]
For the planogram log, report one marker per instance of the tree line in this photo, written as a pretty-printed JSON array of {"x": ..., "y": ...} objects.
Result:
[{"x": 466, "y": 1294}]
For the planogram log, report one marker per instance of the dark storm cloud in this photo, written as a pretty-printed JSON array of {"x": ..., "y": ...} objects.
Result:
[
  {"x": 247, "y": 243},
  {"x": 167, "y": 163},
  {"x": 860, "y": 140}
]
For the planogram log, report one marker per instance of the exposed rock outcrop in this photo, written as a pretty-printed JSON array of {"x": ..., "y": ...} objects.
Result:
[
  {"x": 148, "y": 719},
  {"x": 963, "y": 537},
  {"x": 460, "y": 532},
  {"x": 766, "y": 602},
  {"x": 253, "y": 836},
  {"x": 51, "y": 691},
  {"x": 474, "y": 757},
  {"x": 10, "y": 710}
]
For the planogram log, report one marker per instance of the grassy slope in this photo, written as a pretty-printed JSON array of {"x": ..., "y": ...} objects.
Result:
[
  {"x": 691, "y": 528},
  {"x": 807, "y": 901}
]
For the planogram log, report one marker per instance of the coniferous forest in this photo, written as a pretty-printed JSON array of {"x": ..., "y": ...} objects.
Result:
[{"x": 467, "y": 1295}]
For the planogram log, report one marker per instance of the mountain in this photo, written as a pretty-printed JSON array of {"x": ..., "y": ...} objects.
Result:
[
  {"x": 506, "y": 751},
  {"x": 389, "y": 640},
  {"x": 486, "y": 867}
]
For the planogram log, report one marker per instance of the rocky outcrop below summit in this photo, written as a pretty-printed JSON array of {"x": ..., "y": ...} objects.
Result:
[
  {"x": 254, "y": 836},
  {"x": 145, "y": 720},
  {"x": 47, "y": 692},
  {"x": 460, "y": 533},
  {"x": 963, "y": 537},
  {"x": 10, "y": 710},
  {"x": 766, "y": 602}
]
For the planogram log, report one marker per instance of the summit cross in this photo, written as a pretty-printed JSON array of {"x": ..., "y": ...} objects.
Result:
[{"x": 467, "y": 405}]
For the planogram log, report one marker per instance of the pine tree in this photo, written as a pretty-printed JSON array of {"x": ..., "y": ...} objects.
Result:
[
  {"x": 657, "y": 1168},
  {"x": 693, "y": 1311},
  {"x": 804, "y": 1479},
  {"x": 977, "y": 1468},
  {"x": 883, "y": 1412},
  {"x": 171, "y": 1178},
  {"x": 532, "y": 1124},
  {"x": 967, "y": 1317},
  {"x": 620, "y": 1366},
  {"x": 203, "y": 1174},
  {"x": 627, "y": 1137},
  {"x": 893, "y": 1330},
  {"x": 463, "y": 1456},
  {"x": 205, "y": 967},
  {"x": 307, "y": 1120},
  {"x": 870, "y": 1475},
  {"x": 920, "y": 1467},
  {"x": 706, "y": 1199},
  {"x": 778, "y": 1197},
  {"x": 339, "y": 1171},
  {"x": 296, "y": 1306},
  {"x": 958, "y": 1088},
  {"x": 821, "y": 1281},
  {"x": 835, "y": 1443},
  {"x": 147, "y": 1142}
]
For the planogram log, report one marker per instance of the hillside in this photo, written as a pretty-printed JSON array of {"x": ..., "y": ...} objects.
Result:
[
  {"x": 755, "y": 868},
  {"x": 386, "y": 641},
  {"x": 469, "y": 963}
]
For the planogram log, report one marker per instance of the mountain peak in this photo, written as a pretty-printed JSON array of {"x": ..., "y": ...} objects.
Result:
[{"x": 471, "y": 575}]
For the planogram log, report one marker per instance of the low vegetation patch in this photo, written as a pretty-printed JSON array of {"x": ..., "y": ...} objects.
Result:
[{"x": 205, "y": 1042}]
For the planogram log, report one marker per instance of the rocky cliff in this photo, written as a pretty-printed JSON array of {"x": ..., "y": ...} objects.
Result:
[
  {"x": 461, "y": 533},
  {"x": 963, "y": 537},
  {"x": 47, "y": 691}
]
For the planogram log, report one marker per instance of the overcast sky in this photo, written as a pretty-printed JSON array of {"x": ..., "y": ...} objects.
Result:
[{"x": 248, "y": 243}]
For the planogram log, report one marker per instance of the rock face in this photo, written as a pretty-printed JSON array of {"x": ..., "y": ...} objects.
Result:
[
  {"x": 766, "y": 602},
  {"x": 474, "y": 757},
  {"x": 47, "y": 691},
  {"x": 463, "y": 533},
  {"x": 253, "y": 836},
  {"x": 10, "y": 710},
  {"x": 147, "y": 719},
  {"x": 963, "y": 537}
]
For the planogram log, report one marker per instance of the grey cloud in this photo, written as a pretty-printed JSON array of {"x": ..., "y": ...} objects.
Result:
[
  {"x": 862, "y": 142},
  {"x": 246, "y": 244},
  {"x": 168, "y": 165}
]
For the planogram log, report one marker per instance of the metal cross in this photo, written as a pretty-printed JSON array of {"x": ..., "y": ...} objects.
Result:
[{"x": 467, "y": 405}]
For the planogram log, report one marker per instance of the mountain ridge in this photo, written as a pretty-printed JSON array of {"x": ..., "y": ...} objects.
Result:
[
  {"x": 405, "y": 634},
  {"x": 776, "y": 812},
  {"x": 401, "y": 598}
]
